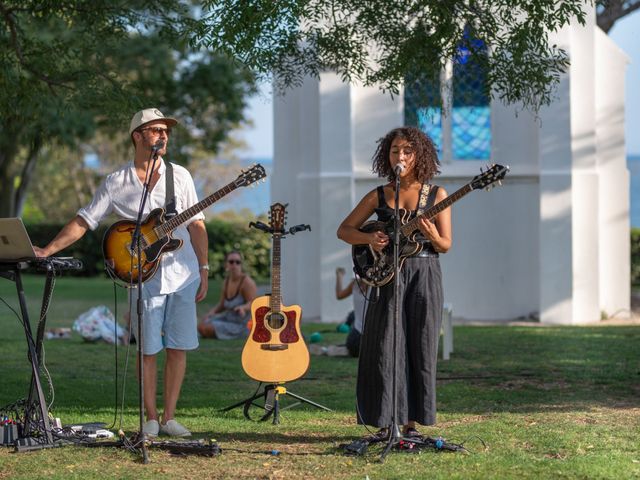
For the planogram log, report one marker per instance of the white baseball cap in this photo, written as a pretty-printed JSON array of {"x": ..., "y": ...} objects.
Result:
[{"x": 149, "y": 115}]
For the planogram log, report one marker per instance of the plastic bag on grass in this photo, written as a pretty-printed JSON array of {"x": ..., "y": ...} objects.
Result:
[{"x": 98, "y": 323}]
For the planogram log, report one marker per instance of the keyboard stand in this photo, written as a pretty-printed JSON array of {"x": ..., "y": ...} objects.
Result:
[{"x": 36, "y": 418}]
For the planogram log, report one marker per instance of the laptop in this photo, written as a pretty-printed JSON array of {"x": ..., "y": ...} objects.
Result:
[{"x": 15, "y": 243}]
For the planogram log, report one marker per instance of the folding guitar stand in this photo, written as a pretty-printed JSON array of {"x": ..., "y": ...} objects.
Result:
[{"x": 271, "y": 394}]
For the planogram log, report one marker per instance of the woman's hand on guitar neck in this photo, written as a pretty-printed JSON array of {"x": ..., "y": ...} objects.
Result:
[{"x": 378, "y": 241}]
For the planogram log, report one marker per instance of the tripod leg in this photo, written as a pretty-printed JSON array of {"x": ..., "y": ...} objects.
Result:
[
  {"x": 245, "y": 401},
  {"x": 276, "y": 408},
  {"x": 306, "y": 400}
]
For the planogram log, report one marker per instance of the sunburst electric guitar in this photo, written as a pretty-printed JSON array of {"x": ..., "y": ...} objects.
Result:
[
  {"x": 275, "y": 351},
  {"x": 120, "y": 256}
]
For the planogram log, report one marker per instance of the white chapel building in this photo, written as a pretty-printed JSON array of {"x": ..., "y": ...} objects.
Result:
[{"x": 552, "y": 243}]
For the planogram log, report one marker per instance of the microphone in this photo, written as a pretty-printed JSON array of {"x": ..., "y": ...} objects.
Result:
[
  {"x": 398, "y": 169},
  {"x": 158, "y": 146}
]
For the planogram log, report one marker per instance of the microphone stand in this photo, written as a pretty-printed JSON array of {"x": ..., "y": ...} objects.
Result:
[
  {"x": 394, "y": 428},
  {"x": 136, "y": 244}
]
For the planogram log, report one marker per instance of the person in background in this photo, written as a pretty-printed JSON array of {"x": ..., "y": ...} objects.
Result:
[
  {"x": 358, "y": 289},
  {"x": 228, "y": 319},
  {"x": 169, "y": 297},
  {"x": 409, "y": 154}
]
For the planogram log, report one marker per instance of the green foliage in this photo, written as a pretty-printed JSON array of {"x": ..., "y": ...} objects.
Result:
[
  {"x": 224, "y": 236},
  {"x": 382, "y": 42},
  {"x": 635, "y": 258},
  {"x": 75, "y": 68}
]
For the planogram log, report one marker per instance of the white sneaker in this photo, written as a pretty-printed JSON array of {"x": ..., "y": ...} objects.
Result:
[
  {"x": 174, "y": 429},
  {"x": 151, "y": 428}
]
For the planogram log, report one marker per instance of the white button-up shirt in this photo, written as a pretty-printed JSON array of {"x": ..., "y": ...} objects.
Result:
[{"x": 120, "y": 193}]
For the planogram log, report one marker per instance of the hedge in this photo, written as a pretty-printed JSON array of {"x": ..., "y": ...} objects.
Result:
[
  {"x": 635, "y": 258},
  {"x": 223, "y": 237}
]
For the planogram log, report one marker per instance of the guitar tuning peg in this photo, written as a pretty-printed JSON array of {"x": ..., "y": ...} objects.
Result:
[
  {"x": 481, "y": 169},
  {"x": 500, "y": 182}
]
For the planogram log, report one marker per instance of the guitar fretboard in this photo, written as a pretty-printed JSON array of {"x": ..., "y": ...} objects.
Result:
[
  {"x": 170, "y": 225},
  {"x": 411, "y": 226},
  {"x": 275, "y": 300}
]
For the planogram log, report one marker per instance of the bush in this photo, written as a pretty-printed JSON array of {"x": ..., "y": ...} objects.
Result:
[
  {"x": 223, "y": 236},
  {"x": 635, "y": 258}
]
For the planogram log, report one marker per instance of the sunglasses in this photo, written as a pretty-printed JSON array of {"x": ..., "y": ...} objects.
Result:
[
  {"x": 233, "y": 261},
  {"x": 157, "y": 130}
]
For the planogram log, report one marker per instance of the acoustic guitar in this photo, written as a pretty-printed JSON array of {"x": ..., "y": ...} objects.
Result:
[
  {"x": 120, "y": 255},
  {"x": 376, "y": 268},
  {"x": 275, "y": 351}
]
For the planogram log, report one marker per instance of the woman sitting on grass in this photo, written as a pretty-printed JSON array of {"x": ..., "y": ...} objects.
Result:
[{"x": 228, "y": 319}]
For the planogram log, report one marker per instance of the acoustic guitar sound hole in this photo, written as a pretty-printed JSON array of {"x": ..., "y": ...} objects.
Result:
[{"x": 276, "y": 320}]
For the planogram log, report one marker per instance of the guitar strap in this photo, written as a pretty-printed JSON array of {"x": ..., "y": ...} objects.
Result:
[
  {"x": 427, "y": 197},
  {"x": 170, "y": 196}
]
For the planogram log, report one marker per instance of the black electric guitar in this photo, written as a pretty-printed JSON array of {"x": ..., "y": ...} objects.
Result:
[
  {"x": 376, "y": 268},
  {"x": 120, "y": 256}
]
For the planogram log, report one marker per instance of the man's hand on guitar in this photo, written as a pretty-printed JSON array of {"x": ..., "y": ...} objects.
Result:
[{"x": 378, "y": 241}]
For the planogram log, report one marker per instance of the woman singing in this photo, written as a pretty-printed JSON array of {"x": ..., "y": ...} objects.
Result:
[{"x": 420, "y": 294}]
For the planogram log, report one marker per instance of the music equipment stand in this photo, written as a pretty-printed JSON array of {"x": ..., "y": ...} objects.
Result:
[
  {"x": 36, "y": 416},
  {"x": 271, "y": 393}
]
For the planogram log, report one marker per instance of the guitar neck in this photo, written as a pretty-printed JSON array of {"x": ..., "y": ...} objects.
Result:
[
  {"x": 275, "y": 300},
  {"x": 170, "y": 225},
  {"x": 411, "y": 226}
]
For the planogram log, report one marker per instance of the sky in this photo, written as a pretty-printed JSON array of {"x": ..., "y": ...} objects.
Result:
[{"x": 625, "y": 33}]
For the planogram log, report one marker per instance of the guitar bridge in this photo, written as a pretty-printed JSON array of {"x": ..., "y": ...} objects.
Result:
[{"x": 274, "y": 347}]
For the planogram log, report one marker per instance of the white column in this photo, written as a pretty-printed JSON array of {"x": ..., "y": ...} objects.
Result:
[{"x": 613, "y": 228}]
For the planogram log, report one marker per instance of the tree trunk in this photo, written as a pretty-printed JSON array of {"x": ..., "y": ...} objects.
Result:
[
  {"x": 27, "y": 175},
  {"x": 9, "y": 146}
]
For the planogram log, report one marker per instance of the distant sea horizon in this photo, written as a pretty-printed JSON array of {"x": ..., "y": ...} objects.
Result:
[{"x": 258, "y": 201}]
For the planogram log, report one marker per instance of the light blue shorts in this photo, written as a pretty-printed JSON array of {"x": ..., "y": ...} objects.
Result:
[{"x": 168, "y": 321}]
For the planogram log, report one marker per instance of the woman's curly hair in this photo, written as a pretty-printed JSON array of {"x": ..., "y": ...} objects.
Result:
[{"x": 426, "y": 164}]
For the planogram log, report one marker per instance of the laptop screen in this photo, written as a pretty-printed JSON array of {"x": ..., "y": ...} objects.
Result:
[{"x": 14, "y": 240}]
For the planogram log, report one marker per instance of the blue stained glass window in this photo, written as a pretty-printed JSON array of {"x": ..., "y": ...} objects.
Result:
[
  {"x": 470, "y": 119},
  {"x": 422, "y": 107},
  {"x": 471, "y": 133},
  {"x": 471, "y": 115},
  {"x": 429, "y": 120}
]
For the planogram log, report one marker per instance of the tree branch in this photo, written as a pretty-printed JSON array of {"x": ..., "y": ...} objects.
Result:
[{"x": 614, "y": 10}]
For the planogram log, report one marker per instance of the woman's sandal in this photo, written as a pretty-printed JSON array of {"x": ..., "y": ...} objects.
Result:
[
  {"x": 380, "y": 436},
  {"x": 411, "y": 432}
]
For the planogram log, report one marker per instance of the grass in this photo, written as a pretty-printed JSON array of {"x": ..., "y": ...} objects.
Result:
[{"x": 548, "y": 402}]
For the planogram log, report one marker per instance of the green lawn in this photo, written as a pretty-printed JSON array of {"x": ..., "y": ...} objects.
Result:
[{"x": 548, "y": 402}]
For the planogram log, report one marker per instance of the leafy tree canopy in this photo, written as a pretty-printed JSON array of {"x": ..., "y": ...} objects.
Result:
[
  {"x": 382, "y": 42},
  {"x": 71, "y": 68}
]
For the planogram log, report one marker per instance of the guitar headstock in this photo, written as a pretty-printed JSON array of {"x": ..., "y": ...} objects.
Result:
[
  {"x": 254, "y": 174},
  {"x": 277, "y": 217},
  {"x": 494, "y": 174}
]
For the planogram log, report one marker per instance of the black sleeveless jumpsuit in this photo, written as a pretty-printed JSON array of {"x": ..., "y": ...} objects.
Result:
[{"x": 420, "y": 319}]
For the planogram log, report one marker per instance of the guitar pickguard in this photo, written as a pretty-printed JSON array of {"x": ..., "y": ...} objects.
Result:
[{"x": 262, "y": 334}]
